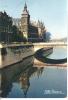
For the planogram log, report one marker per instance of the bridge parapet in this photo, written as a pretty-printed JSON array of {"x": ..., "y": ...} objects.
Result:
[
  {"x": 15, "y": 44},
  {"x": 38, "y": 46},
  {"x": 51, "y": 43}
]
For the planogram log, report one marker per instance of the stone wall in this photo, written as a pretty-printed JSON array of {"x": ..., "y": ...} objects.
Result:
[{"x": 15, "y": 55}]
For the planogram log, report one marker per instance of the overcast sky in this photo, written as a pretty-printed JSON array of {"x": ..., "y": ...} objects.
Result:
[{"x": 52, "y": 12}]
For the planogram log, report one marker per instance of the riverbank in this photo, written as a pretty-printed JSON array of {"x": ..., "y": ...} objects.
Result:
[{"x": 15, "y": 54}]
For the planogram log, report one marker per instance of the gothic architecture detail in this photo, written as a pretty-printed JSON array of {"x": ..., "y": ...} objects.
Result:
[
  {"x": 32, "y": 31},
  {"x": 25, "y": 20}
]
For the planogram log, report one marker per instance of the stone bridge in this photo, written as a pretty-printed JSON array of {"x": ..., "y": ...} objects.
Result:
[
  {"x": 41, "y": 45},
  {"x": 37, "y": 46}
]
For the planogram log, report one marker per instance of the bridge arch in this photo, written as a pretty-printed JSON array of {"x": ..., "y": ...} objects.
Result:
[{"x": 39, "y": 56}]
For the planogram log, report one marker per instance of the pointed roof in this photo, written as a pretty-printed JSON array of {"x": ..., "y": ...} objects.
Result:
[
  {"x": 25, "y": 7},
  {"x": 25, "y": 11}
]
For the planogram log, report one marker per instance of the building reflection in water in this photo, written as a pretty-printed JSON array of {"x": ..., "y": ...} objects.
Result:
[{"x": 20, "y": 73}]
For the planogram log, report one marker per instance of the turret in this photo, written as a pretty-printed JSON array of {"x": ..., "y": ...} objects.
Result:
[
  {"x": 25, "y": 20},
  {"x": 25, "y": 11}
]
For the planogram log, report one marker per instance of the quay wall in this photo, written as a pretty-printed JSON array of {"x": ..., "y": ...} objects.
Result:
[{"x": 14, "y": 54}]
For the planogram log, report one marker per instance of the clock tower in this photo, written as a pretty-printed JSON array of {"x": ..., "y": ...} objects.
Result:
[{"x": 25, "y": 20}]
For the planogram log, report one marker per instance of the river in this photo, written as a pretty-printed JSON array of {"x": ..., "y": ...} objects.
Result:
[{"x": 26, "y": 79}]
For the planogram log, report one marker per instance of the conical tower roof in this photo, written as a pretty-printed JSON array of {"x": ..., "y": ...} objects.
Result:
[{"x": 25, "y": 11}]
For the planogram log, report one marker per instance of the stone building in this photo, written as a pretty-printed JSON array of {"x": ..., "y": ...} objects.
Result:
[
  {"x": 32, "y": 31},
  {"x": 5, "y": 27}
]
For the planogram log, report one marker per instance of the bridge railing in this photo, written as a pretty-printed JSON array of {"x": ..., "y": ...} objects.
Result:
[
  {"x": 27, "y": 43},
  {"x": 51, "y": 43},
  {"x": 3, "y": 45}
]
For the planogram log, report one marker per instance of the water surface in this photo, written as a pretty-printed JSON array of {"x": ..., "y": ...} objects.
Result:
[{"x": 26, "y": 79}]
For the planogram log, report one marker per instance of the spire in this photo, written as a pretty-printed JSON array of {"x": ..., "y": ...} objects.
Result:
[
  {"x": 25, "y": 7},
  {"x": 25, "y": 11}
]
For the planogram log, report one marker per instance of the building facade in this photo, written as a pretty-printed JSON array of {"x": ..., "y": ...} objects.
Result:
[
  {"x": 25, "y": 22},
  {"x": 31, "y": 30},
  {"x": 5, "y": 27}
]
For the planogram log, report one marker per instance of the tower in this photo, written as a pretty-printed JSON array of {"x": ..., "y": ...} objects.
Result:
[
  {"x": 39, "y": 28},
  {"x": 25, "y": 20}
]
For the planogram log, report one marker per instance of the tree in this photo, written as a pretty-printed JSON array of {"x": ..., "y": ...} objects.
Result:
[
  {"x": 17, "y": 36},
  {"x": 47, "y": 36}
]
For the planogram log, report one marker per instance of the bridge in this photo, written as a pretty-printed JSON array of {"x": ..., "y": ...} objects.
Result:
[
  {"x": 37, "y": 46},
  {"x": 14, "y": 44},
  {"x": 24, "y": 52},
  {"x": 40, "y": 45}
]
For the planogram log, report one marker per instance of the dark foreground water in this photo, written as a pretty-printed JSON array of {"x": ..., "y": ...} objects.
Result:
[{"x": 26, "y": 79}]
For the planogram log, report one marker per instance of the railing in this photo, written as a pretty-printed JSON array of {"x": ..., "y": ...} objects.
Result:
[
  {"x": 50, "y": 43},
  {"x": 3, "y": 45},
  {"x": 35, "y": 44}
]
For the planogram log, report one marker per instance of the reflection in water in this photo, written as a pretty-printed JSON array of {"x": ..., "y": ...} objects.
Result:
[
  {"x": 21, "y": 73},
  {"x": 10, "y": 74},
  {"x": 57, "y": 52},
  {"x": 25, "y": 79},
  {"x": 0, "y": 60}
]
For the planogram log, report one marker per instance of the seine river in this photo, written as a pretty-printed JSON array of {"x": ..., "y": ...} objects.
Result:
[{"x": 30, "y": 80}]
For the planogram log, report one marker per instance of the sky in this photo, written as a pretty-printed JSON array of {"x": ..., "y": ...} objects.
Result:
[{"x": 52, "y": 12}]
